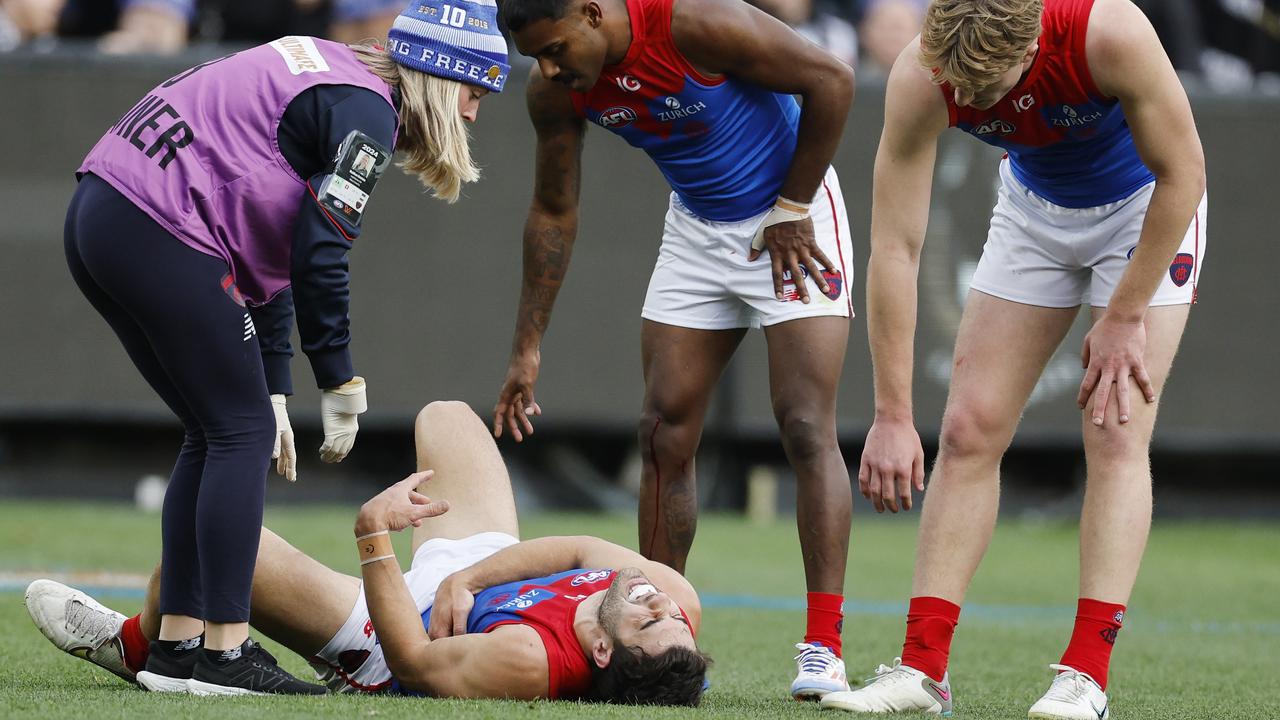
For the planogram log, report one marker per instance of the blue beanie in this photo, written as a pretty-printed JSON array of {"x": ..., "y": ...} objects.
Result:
[{"x": 457, "y": 40}]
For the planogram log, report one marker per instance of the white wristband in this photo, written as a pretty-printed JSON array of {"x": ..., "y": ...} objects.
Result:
[{"x": 783, "y": 211}]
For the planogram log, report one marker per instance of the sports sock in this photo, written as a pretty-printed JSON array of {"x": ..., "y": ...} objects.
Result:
[
  {"x": 222, "y": 657},
  {"x": 825, "y": 620},
  {"x": 175, "y": 647},
  {"x": 134, "y": 643},
  {"x": 931, "y": 621},
  {"x": 1097, "y": 624}
]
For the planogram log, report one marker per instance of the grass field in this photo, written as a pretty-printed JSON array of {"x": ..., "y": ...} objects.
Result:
[{"x": 1202, "y": 637}]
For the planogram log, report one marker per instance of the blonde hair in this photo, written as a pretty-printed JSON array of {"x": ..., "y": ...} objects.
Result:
[
  {"x": 432, "y": 135},
  {"x": 970, "y": 43}
]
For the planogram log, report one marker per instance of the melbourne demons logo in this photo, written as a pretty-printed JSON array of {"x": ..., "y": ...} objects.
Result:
[
  {"x": 1180, "y": 269},
  {"x": 835, "y": 283},
  {"x": 617, "y": 116}
]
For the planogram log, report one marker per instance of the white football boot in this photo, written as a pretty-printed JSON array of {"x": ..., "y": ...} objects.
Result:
[
  {"x": 79, "y": 625},
  {"x": 896, "y": 688},
  {"x": 1072, "y": 696},
  {"x": 819, "y": 672}
]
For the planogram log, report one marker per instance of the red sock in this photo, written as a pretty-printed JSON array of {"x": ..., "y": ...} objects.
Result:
[
  {"x": 825, "y": 620},
  {"x": 931, "y": 622},
  {"x": 136, "y": 645},
  {"x": 1089, "y": 652}
]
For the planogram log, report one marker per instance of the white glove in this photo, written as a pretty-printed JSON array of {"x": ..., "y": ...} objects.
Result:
[
  {"x": 783, "y": 210},
  {"x": 338, "y": 410},
  {"x": 283, "y": 452}
]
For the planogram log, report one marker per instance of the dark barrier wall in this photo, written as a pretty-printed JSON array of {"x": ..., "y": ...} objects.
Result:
[{"x": 435, "y": 286}]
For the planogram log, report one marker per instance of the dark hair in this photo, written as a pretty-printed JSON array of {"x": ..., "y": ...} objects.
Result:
[
  {"x": 634, "y": 677},
  {"x": 518, "y": 13}
]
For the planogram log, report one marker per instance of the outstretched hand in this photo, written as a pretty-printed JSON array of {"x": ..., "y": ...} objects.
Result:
[
  {"x": 515, "y": 400},
  {"x": 399, "y": 507}
]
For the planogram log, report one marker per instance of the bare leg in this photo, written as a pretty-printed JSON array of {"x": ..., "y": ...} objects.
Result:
[
  {"x": 805, "y": 360},
  {"x": 454, "y": 442},
  {"x": 1116, "y": 517},
  {"x": 296, "y": 601},
  {"x": 1001, "y": 349},
  {"x": 681, "y": 367}
]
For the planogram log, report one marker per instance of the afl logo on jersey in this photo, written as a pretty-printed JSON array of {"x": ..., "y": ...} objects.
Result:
[
  {"x": 618, "y": 116},
  {"x": 627, "y": 83},
  {"x": 995, "y": 127}
]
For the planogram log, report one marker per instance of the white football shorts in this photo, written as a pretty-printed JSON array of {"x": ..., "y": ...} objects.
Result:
[
  {"x": 702, "y": 278},
  {"x": 1038, "y": 253},
  {"x": 352, "y": 660}
]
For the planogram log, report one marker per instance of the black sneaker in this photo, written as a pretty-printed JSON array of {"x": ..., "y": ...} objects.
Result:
[
  {"x": 248, "y": 670},
  {"x": 169, "y": 665}
]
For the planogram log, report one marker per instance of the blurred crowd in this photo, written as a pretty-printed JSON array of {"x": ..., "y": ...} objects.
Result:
[
  {"x": 162, "y": 27},
  {"x": 1226, "y": 44}
]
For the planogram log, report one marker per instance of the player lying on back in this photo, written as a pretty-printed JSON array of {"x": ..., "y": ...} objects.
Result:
[{"x": 569, "y": 617}]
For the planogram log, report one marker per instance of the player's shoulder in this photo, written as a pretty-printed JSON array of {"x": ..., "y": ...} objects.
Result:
[
  {"x": 701, "y": 22},
  {"x": 1115, "y": 27},
  {"x": 1119, "y": 38},
  {"x": 912, "y": 100}
]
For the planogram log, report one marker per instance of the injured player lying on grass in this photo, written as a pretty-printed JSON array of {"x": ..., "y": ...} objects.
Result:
[{"x": 568, "y": 617}]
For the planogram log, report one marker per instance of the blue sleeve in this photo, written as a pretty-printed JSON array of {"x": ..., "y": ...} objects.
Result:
[
  {"x": 274, "y": 323},
  {"x": 310, "y": 136}
]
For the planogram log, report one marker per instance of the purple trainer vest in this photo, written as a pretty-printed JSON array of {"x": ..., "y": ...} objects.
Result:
[{"x": 199, "y": 154}]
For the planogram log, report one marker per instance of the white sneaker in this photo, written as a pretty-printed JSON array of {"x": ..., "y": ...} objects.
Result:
[
  {"x": 896, "y": 689},
  {"x": 78, "y": 624},
  {"x": 1072, "y": 696},
  {"x": 819, "y": 672}
]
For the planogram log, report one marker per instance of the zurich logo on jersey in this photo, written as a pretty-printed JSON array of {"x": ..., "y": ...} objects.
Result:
[
  {"x": 676, "y": 110},
  {"x": 525, "y": 600},
  {"x": 618, "y": 116},
  {"x": 1069, "y": 117}
]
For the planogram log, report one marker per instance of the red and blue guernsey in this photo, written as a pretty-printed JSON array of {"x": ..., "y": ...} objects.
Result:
[
  {"x": 548, "y": 605},
  {"x": 1067, "y": 142},
  {"x": 724, "y": 146}
]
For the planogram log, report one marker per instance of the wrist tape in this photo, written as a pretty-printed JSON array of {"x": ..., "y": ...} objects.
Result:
[
  {"x": 783, "y": 211},
  {"x": 374, "y": 547},
  {"x": 348, "y": 399}
]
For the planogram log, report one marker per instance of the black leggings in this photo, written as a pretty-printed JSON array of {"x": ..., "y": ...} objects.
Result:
[{"x": 195, "y": 346}]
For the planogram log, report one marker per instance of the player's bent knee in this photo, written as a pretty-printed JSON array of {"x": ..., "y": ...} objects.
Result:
[
  {"x": 968, "y": 433},
  {"x": 1116, "y": 443},
  {"x": 442, "y": 412},
  {"x": 805, "y": 438},
  {"x": 662, "y": 439}
]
